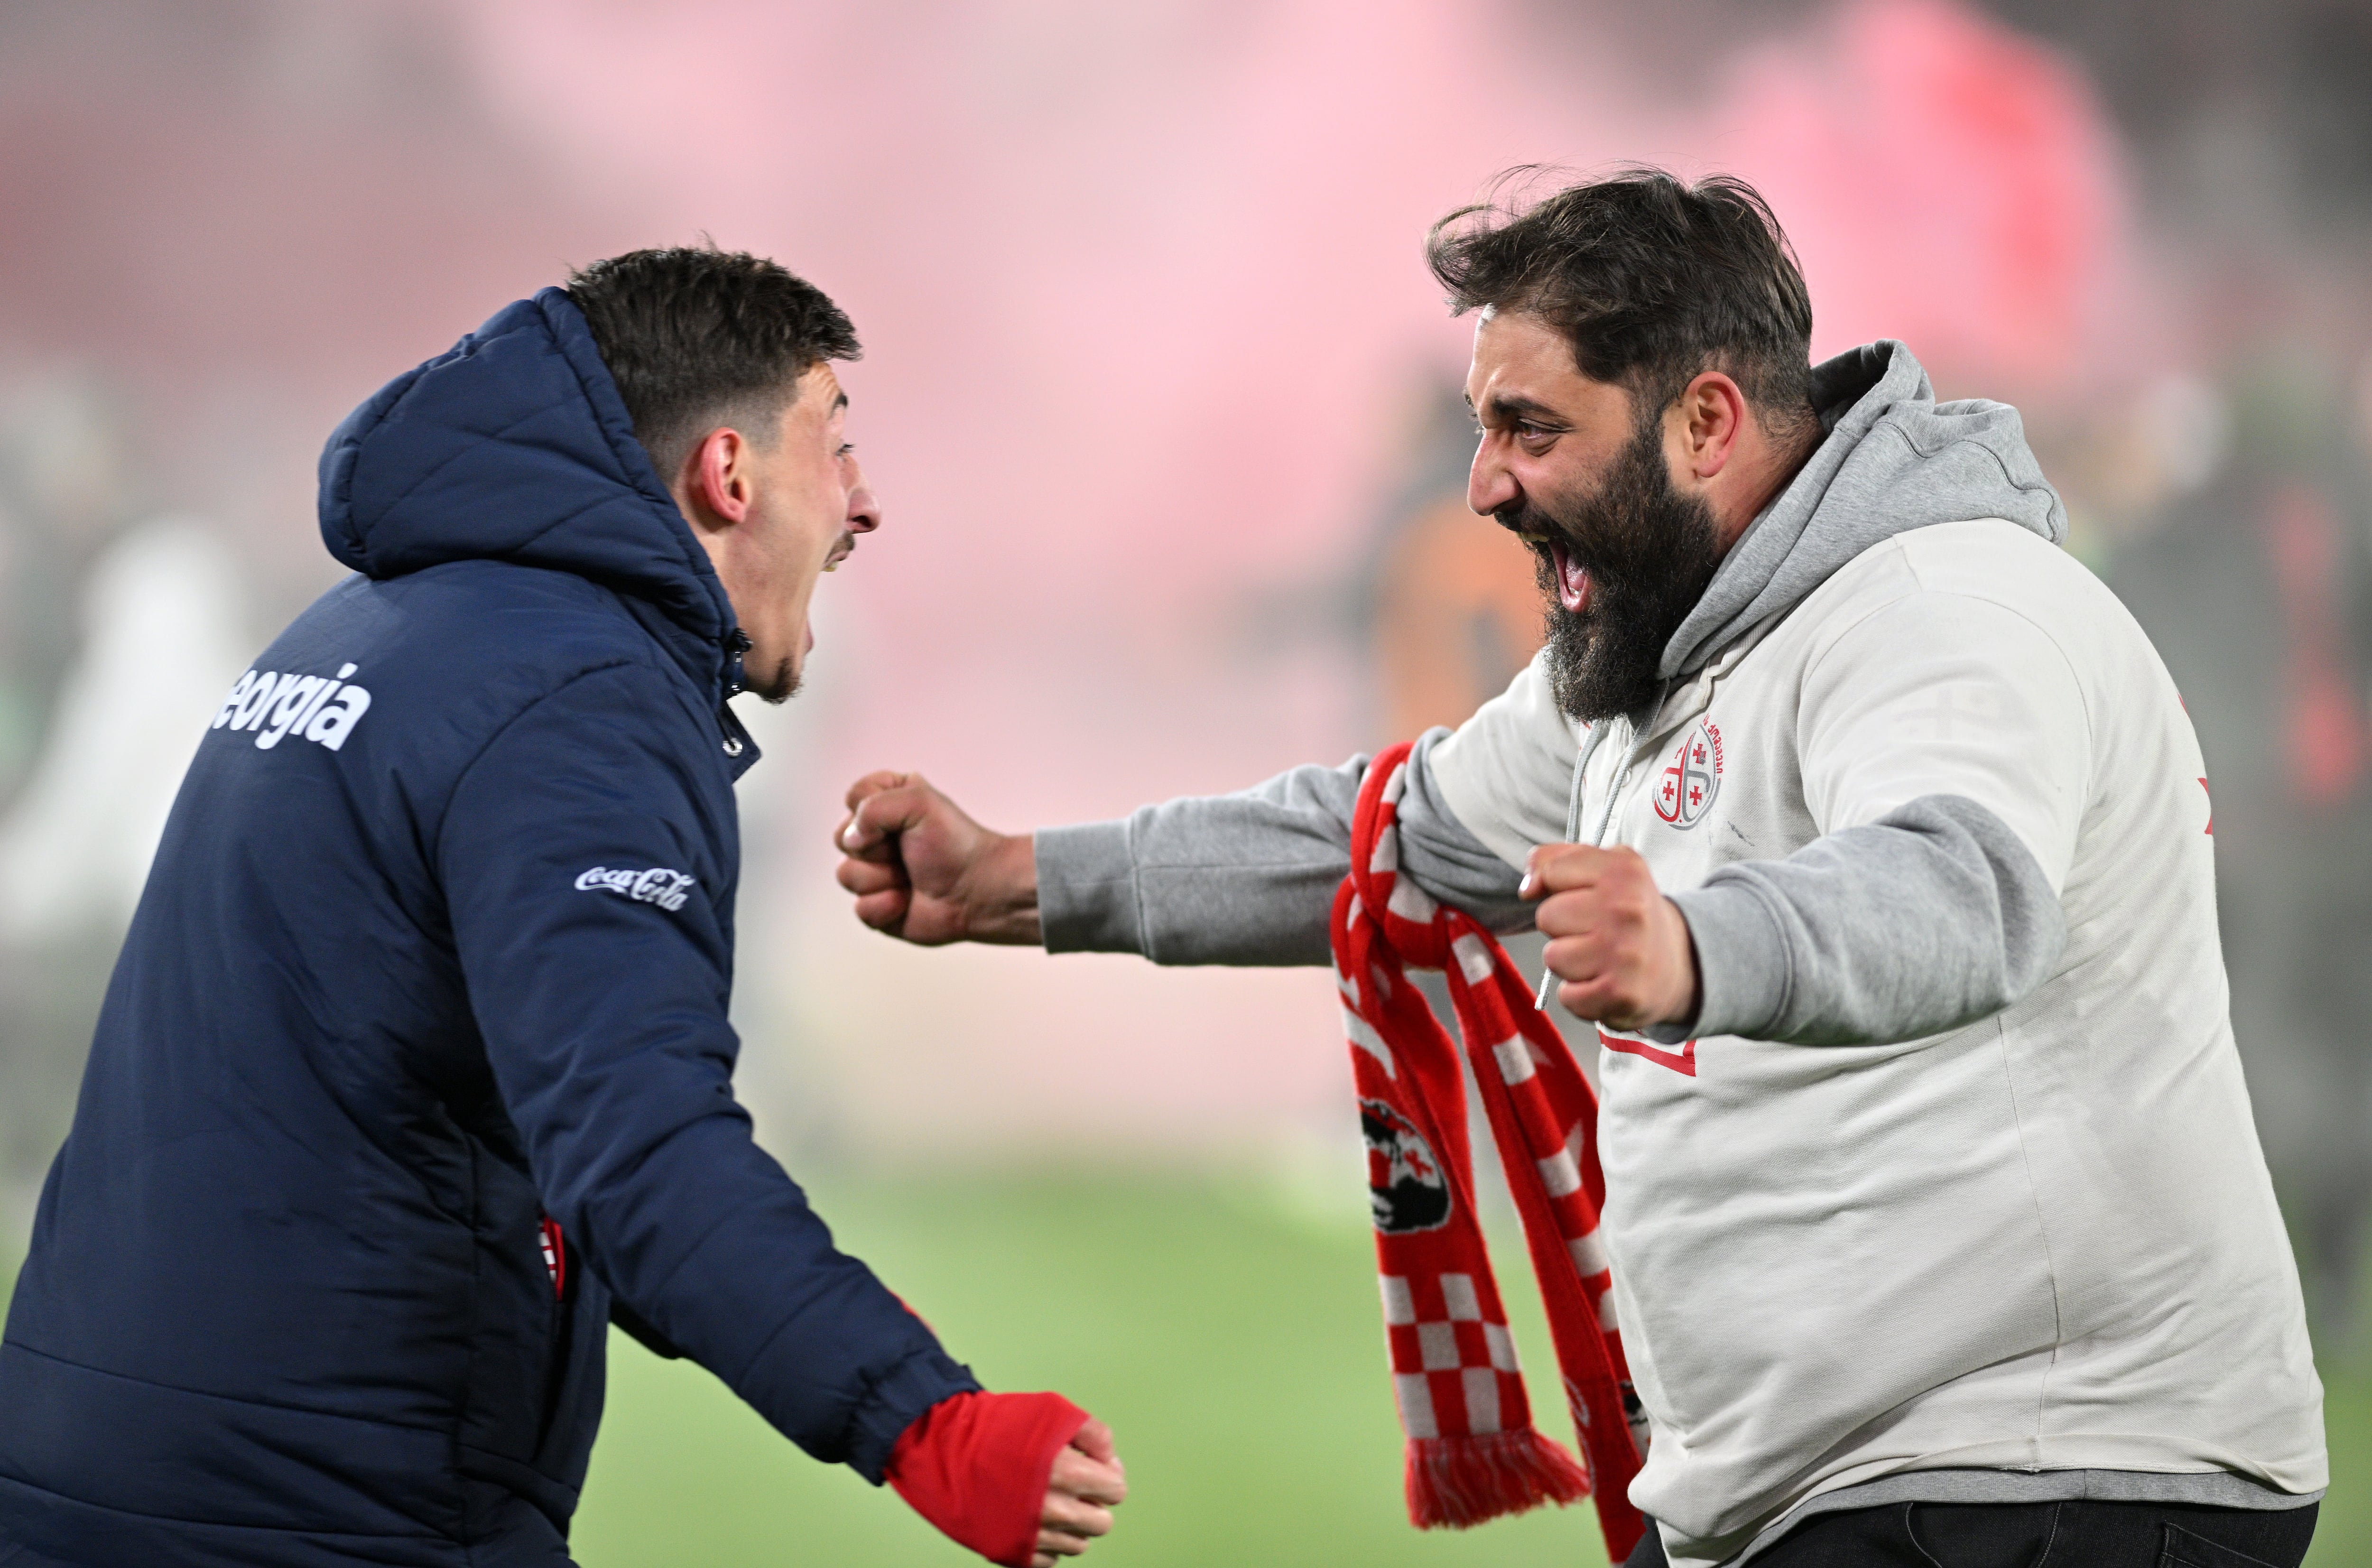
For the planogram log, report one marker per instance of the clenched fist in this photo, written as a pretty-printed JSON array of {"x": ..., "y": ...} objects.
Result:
[
  {"x": 924, "y": 871},
  {"x": 1619, "y": 945},
  {"x": 1088, "y": 1482}
]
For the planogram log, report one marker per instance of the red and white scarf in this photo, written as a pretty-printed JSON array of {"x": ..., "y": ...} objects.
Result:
[{"x": 1473, "y": 1454}]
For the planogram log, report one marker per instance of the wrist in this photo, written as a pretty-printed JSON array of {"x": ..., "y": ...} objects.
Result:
[{"x": 1007, "y": 910}]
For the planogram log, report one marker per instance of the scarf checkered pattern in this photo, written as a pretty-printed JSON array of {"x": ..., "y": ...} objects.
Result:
[{"x": 1473, "y": 1454}]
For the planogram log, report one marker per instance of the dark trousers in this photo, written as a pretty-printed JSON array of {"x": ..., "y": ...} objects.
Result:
[{"x": 2033, "y": 1535}]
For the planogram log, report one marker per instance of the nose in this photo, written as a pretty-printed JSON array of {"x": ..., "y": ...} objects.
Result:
[
  {"x": 1489, "y": 485},
  {"x": 864, "y": 511}
]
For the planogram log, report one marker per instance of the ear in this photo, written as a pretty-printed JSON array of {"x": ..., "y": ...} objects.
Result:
[
  {"x": 715, "y": 487},
  {"x": 1712, "y": 415}
]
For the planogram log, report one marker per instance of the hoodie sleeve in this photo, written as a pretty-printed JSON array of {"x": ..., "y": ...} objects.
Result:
[
  {"x": 1506, "y": 773},
  {"x": 1250, "y": 877},
  {"x": 1944, "y": 749},
  {"x": 587, "y": 867}
]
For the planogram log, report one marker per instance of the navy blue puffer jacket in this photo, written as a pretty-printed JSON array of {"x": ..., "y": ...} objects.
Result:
[{"x": 415, "y": 1067}]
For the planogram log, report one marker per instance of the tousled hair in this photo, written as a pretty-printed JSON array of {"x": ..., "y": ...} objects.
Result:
[
  {"x": 698, "y": 337},
  {"x": 1651, "y": 280}
]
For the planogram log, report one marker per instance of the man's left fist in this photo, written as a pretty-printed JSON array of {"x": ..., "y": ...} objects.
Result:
[{"x": 1619, "y": 945}]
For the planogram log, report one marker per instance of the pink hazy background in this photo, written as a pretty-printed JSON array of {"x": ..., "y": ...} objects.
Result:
[
  {"x": 1152, "y": 370},
  {"x": 1146, "y": 317}
]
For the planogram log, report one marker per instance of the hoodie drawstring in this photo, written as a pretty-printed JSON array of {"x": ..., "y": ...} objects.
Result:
[
  {"x": 1597, "y": 732},
  {"x": 1591, "y": 735}
]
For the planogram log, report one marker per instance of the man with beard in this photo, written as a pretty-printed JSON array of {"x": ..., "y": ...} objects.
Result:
[{"x": 1870, "y": 831}]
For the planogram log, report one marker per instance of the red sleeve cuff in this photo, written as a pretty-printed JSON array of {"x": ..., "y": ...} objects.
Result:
[{"x": 976, "y": 1466}]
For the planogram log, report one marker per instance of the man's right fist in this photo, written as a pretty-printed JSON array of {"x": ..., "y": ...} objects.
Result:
[{"x": 924, "y": 871}]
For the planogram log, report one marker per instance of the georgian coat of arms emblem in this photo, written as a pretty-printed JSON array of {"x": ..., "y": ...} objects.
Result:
[{"x": 1685, "y": 792}]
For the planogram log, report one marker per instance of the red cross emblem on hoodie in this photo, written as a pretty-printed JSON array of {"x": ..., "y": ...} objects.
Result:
[{"x": 1692, "y": 778}]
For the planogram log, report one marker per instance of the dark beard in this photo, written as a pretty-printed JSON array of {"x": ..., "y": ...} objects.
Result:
[
  {"x": 778, "y": 691},
  {"x": 1649, "y": 551}
]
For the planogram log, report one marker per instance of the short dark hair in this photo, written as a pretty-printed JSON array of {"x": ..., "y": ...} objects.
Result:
[
  {"x": 1651, "y": 280},
  {"x": 696, "y": 338}
]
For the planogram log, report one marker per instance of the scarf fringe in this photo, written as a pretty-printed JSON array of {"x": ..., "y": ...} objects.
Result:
[{"x": 1455, "y": 1482}]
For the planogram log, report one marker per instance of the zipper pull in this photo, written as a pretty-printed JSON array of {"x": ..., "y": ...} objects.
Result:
[{"x": 736, "y": 645}]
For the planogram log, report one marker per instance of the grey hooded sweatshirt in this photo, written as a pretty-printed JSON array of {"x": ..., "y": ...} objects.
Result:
[
  {"x": 1949, "y": 1192},
  {"x": 1935, "y": 912}
]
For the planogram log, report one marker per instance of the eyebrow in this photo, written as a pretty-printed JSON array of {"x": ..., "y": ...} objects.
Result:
[
  {"x": 839, "y": 402},
  {"x": 1507, "y": 406}
]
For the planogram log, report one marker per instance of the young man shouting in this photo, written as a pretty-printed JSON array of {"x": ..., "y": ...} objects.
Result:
[
  {"x": 416, "y": 1072},
  {"x": 1869, "y": 828}
]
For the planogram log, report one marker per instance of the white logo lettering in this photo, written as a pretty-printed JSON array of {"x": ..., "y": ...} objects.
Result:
[
  {"x": 659, "y": 886},
  {"x": 322, "y": 709}
]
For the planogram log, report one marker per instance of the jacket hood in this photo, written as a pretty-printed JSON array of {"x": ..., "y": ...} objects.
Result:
[
  {"x": 515, "y": 445},
  {"x": 1893, "y": 460}
]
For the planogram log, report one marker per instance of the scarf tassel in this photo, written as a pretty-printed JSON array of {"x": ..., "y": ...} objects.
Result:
[{"x": 1455, "y": 1483}]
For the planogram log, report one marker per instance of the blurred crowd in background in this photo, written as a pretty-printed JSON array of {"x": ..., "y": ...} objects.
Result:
[{"x": 1163, "y": 409}]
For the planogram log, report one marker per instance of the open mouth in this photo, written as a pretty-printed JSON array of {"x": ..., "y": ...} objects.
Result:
[
  {"x": 840, "y": 552},
  {"x": 1572, "y": 578}
]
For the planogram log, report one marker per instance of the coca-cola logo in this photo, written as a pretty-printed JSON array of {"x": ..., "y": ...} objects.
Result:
[{"x": 659, "y": 886}]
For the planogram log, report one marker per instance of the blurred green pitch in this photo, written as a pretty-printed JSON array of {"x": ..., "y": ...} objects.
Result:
[{"x": 1236, "y": 1347}]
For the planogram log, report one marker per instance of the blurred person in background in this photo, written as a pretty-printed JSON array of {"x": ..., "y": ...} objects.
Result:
[
  {"x": 416, "y": 1072},
  {"x": 1939, "y": 1231},
  {"x": 1455, "y": 613},
  {"x": 2256, "y": 585},
  {"x": 70, "y": 492}
]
